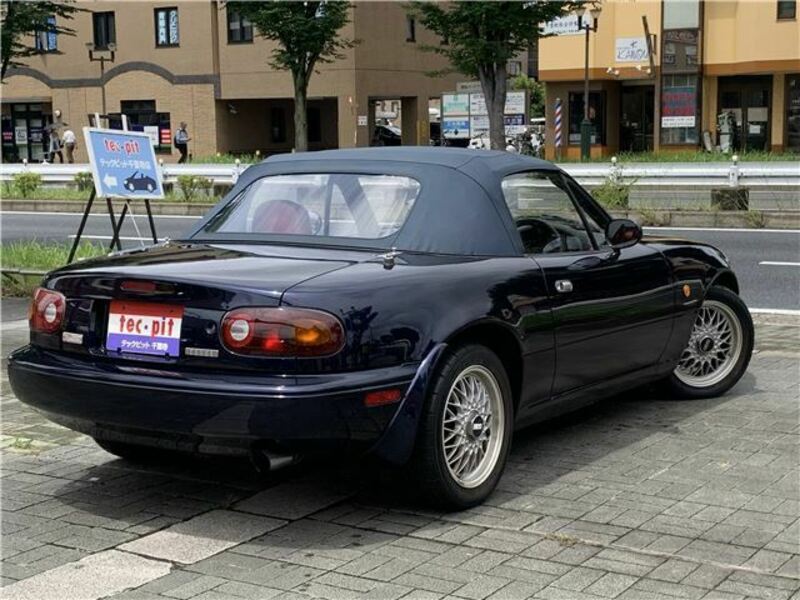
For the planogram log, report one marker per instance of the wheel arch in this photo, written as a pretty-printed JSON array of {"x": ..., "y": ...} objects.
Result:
[
  {"x": 726, "y": 279},
  {"x": 500, "y": 339}
]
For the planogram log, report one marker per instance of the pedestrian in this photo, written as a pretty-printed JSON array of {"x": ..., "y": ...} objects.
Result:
[
  {"x": 182, "y": 140},
  {"x": 54, "y": 147},
  {"x": 69, "y": 145}
]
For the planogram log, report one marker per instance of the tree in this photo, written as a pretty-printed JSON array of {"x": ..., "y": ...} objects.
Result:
[
  {"x": 307, "y": 34},
  {"x": 536, "y": 94},
  {"x": 481, "y": 37},
  {"x": 22, "y": 21}
]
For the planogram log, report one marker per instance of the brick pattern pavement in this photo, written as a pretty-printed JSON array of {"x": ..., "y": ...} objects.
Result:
[{"x": 641, "y": 497}]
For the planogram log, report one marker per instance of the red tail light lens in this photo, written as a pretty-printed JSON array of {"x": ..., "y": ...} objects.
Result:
[
  {"x": 281, "y": 332},
  {"x": 46, "y": 314}
]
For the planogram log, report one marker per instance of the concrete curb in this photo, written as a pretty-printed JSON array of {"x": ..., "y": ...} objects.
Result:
[{"x": 755, "y": 219}]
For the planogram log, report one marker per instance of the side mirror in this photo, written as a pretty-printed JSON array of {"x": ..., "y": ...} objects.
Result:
[{"x": 623, "y": 233}]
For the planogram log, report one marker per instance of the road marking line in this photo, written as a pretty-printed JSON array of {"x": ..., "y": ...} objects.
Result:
[
  {"x": 93, "y": 215},
  {"x": 775, "y": 311},
  {"x": 724, "y": 229},
  {"x": 779, "y": 263}
]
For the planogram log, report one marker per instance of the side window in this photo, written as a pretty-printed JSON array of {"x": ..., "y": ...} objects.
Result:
[{"x": 546, "y": 216}]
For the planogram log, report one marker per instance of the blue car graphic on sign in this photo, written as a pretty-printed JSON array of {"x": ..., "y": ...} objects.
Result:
[{"x": 138, "y": 181}]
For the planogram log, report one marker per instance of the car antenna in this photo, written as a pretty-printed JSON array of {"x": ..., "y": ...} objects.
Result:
[{"x": 389, "y": 258}]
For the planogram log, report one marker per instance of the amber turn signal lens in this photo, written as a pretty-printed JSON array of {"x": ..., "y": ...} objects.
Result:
[
  {"x": 281, "y": 332},
  {"x": 46, "y": 314}
]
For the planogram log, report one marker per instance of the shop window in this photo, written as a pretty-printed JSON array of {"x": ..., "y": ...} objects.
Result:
[
  {"x": 314, "y": 124},
  {"x": 143, "y": 116},
  {"x": 597, "y": 115},
  {"x": 679, "y": 109},
  {"x": 166, "y": 20},
  {"x": 681, "y": 14},
  {"x": 787, "y": 9},
  {"x": 793, "y": 113},
  {"x": 278, "y": 124},
  {"x": 105, "y": 31},
  {"x": 240, "y": 29},
  {"x": 46, "y": 40},
  {"x": 411, "y": 29}
]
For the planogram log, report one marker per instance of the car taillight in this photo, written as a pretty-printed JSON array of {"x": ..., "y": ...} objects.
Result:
[
  {"x": 281, "y": 332},
  {"x": 46, "y": 313}
]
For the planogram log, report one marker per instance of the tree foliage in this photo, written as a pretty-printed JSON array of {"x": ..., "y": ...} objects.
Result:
[
  {"x": 479, "y": 38},
  {"x": 307, "y": 33},
  {"x": 536, "y": 93},
  {"x": 22, "y": 20}
]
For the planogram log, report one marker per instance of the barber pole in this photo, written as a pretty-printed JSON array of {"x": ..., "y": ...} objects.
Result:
[{"x": 558, "y": 123}]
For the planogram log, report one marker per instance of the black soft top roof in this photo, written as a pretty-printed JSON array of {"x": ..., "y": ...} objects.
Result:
[{"x": 460, "y": 208}]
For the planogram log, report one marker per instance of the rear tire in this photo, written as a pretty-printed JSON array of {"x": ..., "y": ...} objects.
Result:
[
  {"x": 465, "y": 429},
  {"x": 719, "y": 347}
]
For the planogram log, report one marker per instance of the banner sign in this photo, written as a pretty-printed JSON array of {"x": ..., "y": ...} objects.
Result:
[
  {"x": 631, "y": 49},
  {"x": 678, "y": 106},
  {"x": 123, "y": 164},
  {"x": 515, "y": 104},
  {"x": 455, "y": 128},
  {"x": 567, "y": 25},
  {"x": 455, "y": 104}
]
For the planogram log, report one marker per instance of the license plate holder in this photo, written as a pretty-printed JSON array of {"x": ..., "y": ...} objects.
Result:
[{"x": 144, "y": 328}]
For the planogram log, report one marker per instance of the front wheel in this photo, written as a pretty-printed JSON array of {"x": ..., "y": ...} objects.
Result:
[
  {"x": 465, "y": 429},
  {"x": 719, "y": 348}
]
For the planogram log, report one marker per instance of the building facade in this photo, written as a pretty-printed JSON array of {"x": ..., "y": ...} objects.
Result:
[
  {"x": 714, "y": 73},
  {"x": 198, "y": 63}
]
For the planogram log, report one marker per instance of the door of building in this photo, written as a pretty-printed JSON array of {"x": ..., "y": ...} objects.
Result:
[
  {"x": 748, "y": 98},
  {"x": 636, "y": 119},
  {"x": 29, "y": 124}
]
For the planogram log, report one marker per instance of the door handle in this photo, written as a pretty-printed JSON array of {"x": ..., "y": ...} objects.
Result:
[{"x": 563, "y": 286}]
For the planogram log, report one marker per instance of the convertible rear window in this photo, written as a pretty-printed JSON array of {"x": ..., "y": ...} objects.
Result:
[{"x": 335, "y": 205}]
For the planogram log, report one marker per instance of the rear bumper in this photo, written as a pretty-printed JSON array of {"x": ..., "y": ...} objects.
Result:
[{"x": 214, "y": 413}]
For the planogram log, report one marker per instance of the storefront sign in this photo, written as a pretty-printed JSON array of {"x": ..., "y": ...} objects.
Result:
[
  {"x": 678, "y": 106},
  {"x": 515, "y": 104},
  {"x": 21, "y": 134},
  {"x": 455, "y": 128},
  {"x": 468, "y": 87},
  {"x": 123, "y": 164},
  {"x": 514, "y": 125},
  {"x": 152, "y": 131},
  {"x": 455, "y": 104},
  {"x": 567, "y": 25},
  {"x": 631, "y": 50}
]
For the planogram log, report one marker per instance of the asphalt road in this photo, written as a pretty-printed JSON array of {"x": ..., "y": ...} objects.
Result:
[{"x": 766, "y": 261}]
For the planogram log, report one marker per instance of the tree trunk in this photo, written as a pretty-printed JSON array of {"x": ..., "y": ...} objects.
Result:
[
  {"x": 300, "y": 113},
  {"x": 493, "y": 84}
]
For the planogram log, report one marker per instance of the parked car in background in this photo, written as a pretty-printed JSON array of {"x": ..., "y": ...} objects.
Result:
[
  {"x": 416, "y": 304},
  {"x": 386, "y": 135}
]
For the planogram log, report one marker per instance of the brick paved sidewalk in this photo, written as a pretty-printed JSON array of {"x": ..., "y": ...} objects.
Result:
[{"x": 641, "y": 497}]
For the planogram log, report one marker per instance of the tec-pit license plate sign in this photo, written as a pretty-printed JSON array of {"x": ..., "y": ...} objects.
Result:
[{"x": 144, "y": 328}]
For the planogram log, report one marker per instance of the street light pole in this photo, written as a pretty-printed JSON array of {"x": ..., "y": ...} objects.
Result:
[
  {"x": 99, "y": 55},
  {"x": 586, "y": 124}
]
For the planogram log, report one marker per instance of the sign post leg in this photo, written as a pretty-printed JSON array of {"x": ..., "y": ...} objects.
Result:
[
  {"x": 151, "y": 219},
  {"x": 116, "y": 226},
  {"x": 81, "y": 227}
]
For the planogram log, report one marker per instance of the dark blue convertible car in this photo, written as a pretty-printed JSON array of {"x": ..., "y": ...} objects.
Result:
[{"x": 417, "y": 304}]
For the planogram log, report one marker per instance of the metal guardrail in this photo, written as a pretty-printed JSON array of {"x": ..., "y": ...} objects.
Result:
[{"x": 706, "y": 175}]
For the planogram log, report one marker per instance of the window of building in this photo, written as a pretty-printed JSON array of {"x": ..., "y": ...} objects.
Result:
[
  {"x": 679, "y": 109},
  {"x": 167, "y": 27},
  {"x": 597, "y": 115},
  {"x": 314, "y": 124},
  {"x": 105, "y": 32},
  {"x": 793, "y": 113},
  {"x": 278, "y": 124},
  {"x": 143, "y": 116},
  {"x": 411, "y": 29},
  {"x": 681, "y": 14},
  {"x": 46, "y": 40},
  {"x": 787, "y": 9},
  {"x": 240, "y": 29}
]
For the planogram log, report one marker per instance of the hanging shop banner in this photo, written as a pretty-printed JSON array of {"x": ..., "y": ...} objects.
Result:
[
  {"x": 633, "y": 49},
  {"x": 567, "y": 25},
  {"x": 455, "y": 128},
  {"x": 123, "y": 164},
  {"x": 678, "y": 106},
  {"x": 455, "y": 104}
]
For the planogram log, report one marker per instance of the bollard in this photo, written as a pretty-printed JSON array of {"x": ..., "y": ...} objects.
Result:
[
  {"x": 616, "y": 171},
  {"x": 237, "y": 166},
  {"x": 733, "y": 172}
]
